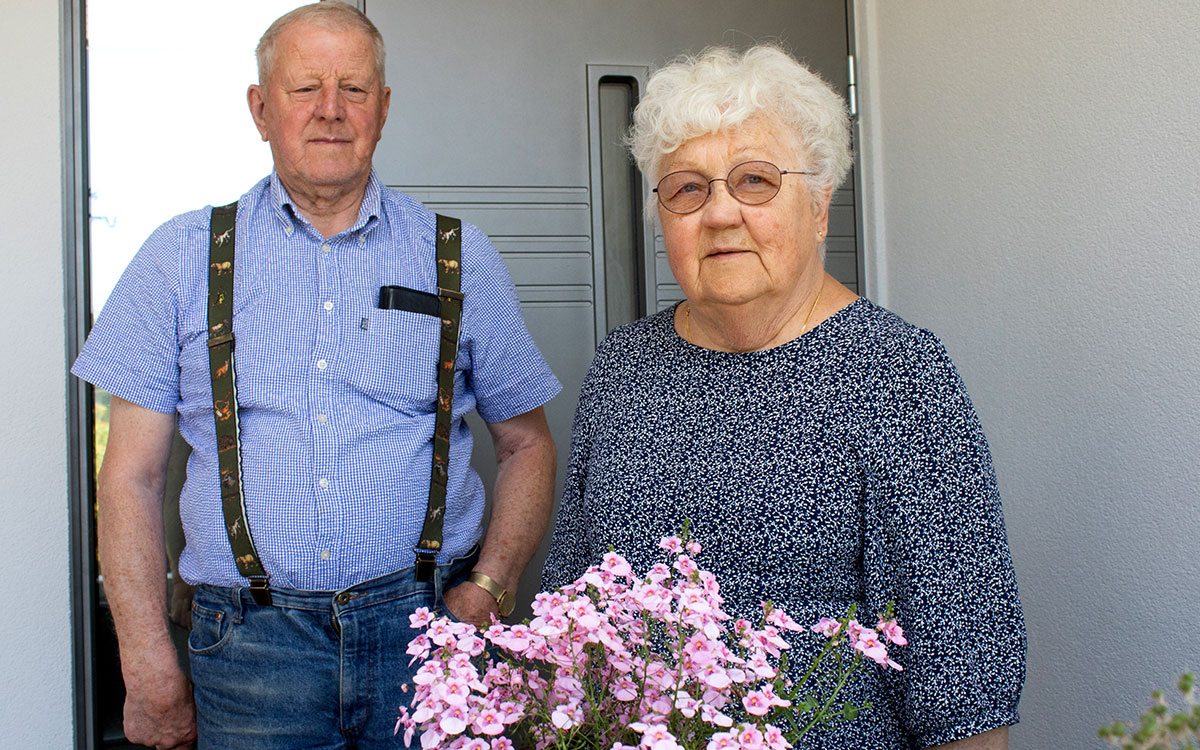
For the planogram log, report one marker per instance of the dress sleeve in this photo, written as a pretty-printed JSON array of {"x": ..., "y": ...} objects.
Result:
[
  {"x": 570, "y": 553},
  {"x": 936, "y": 546},
  {"x": 508, "y": 374},
  {"x": 132, "y": 350}
]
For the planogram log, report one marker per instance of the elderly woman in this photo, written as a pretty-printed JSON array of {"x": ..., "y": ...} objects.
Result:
[{"x": 825, "y": 450}]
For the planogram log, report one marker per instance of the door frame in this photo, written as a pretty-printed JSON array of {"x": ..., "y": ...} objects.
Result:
[{"x": 76, "y": 295}]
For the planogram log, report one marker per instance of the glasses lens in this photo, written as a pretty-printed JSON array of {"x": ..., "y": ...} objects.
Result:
[
  {"x": 683, "y": 192},
  {"x": 754, "y": 182}
]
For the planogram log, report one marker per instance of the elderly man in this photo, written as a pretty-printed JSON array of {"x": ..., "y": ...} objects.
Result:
[{"x": 319, "y": 508}]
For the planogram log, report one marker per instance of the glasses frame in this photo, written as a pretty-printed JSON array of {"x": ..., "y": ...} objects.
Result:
[{"x": 725, "y": 179}]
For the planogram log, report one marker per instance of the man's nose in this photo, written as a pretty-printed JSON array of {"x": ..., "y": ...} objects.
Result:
[{"x": 330, "y": 105}]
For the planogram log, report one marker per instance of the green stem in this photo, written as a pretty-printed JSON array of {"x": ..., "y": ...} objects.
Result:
[{"x": 820, "y": 714}]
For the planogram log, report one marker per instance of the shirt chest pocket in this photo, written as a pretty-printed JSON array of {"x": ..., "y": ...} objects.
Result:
[{"x": 392, "y": 357}]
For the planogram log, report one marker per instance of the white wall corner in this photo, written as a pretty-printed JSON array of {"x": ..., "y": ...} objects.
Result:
[
  {"x": 36, "y": 708},
  {"x": 873, "y": 243}
]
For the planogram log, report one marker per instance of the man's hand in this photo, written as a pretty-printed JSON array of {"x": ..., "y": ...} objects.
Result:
[
  {"x": 469, "y": 603},
  {"x": 159, "y": 711}
]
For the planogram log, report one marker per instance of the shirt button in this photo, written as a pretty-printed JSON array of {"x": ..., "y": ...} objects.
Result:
[
  {"x": 324, "y": 554},
  {"x": 321, "y": 364},
  {"x": 362, "y": 240},
  {"x": 322, "y": 418},
  {"x": 328, "y": 306},
  {"x": 323, "y": 482},
  {"x": 325, "y": 248}
]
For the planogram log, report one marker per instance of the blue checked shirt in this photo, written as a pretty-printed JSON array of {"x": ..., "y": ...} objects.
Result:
[{"x": 336, "y": 395}]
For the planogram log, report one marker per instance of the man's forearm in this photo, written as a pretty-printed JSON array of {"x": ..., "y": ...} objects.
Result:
[
  {"x": 158, "y": 699},
  {"x": 522, "y": 500},
  {"x": 133, "y": 563},
  {"x": 130, "y": 534}
]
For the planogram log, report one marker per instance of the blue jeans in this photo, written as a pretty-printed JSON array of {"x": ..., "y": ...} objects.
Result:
[{"x": 317, "y": 669}]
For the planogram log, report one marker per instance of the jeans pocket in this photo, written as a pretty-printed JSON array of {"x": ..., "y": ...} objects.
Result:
[{"x": 211, "y": 629}]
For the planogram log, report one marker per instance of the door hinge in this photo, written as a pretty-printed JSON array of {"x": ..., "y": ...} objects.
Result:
[{"x": 852, "y": 87}]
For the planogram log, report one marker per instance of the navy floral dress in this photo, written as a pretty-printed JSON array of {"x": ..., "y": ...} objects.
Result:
[{"x": 845, "y": 466}]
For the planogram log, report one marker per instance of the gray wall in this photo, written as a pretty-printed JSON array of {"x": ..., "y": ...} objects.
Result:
[
  {"x": 1034, "y": 175},
  {"x": 35, "y": 627}
]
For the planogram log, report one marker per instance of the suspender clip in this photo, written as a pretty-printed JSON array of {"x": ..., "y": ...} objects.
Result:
[
  {"x": 216, "y": 341},
  {"x": 426, "y": 563},
  {"x": 260, "y": 590},
  {"x": 451, "y": 293}
]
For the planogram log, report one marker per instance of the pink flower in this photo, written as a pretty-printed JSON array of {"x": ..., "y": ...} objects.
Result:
[
  {"x": 869, "y": 645},
  {"x": 892, "y": 631},
  {"x": 501, "y": 743},
  {"x": 827, "y": 627},
  {"x": 567, "y": 716},
  {"x": 768, "y": 692},
  {"x": 780, "y": 619},
  {"x": 711, "y": 715},
  {"x": 750, "y": 738},
  {"x": 693, "y": 547},
  {"x": 488, "y": 721},
  {"x": 454, "y": 720},
  {"x": 410, "y": 726},
  {"x": 756, "y": 703},
  {"x": 714, "y": 676},
  {"x": 685, "y": 565},
  {"x": 723, "y": 741},
  {"x": 774, "y": 738},
  {"x": 420, "y": 618},
  {"x": 655, "y": 736},
  {"x": 616, "y": 565},
  {"x": 671, "y": 544}
]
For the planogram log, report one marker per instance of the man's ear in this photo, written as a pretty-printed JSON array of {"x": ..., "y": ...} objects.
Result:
[
  {"x": 387, "y": 103},
  {"x": 254, "y": 98}
]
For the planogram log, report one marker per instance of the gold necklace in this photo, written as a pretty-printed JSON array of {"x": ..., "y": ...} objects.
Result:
[
  {"x": 808, "y": 317},
  {"x": 687, "y": 317}
]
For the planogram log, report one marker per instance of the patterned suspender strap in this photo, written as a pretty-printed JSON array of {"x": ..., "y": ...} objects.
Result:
[
  {"x": 449, "y": 279},
  {"x": 225, "y": 408}
]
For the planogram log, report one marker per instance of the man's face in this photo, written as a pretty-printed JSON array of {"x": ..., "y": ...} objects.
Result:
[{"x": 322, "y": 109}]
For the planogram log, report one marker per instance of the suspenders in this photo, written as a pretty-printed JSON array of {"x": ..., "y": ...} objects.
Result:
[
  {"x": 449, "y": 280},
  {"x": 224, "y": 390},
  {"x": 225, "y": 410}
]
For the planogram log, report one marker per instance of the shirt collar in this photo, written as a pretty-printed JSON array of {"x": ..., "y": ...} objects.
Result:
[{"x": 368, "y": 212}]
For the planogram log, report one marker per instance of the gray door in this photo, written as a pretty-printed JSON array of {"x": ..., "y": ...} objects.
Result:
[{"x": 509, "y": 115}]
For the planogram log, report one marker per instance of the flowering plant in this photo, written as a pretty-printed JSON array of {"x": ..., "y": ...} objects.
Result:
[
  {"x": 617, "y": 662},
  {"x": 1159, "y": 728}
]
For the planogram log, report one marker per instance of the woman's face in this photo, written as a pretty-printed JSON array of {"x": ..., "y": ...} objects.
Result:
[{"x": 728, "y": 253}]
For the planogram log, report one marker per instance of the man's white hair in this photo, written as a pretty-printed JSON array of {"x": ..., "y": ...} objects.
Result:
[
  {"x": 327, "y": 14},
  {"x": 720, "y": 90}
]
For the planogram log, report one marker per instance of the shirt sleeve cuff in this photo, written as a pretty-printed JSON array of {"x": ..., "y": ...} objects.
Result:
[
  {"x": 122, "y": 385},
  {"x": 967, "y": 728}
]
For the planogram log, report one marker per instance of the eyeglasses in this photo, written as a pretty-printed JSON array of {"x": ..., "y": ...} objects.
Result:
[{"x": 752, "y": 183}]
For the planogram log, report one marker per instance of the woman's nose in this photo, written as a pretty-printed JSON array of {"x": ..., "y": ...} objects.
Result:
[{"x": 721, "y": 208}]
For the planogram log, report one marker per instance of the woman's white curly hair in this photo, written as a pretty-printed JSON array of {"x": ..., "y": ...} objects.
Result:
[{"x": 720, "y": 90}]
